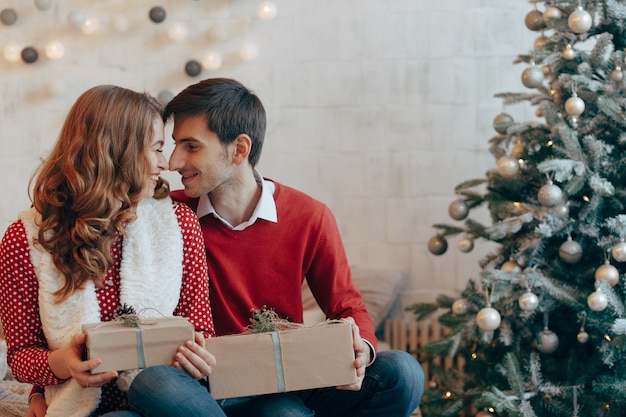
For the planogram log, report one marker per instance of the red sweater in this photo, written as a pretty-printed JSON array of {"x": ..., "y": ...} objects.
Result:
[{"x": 266, "y": 263}]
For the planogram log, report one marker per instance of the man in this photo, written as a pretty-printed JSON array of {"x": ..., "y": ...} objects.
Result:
[{"x": 262, "y": 239}]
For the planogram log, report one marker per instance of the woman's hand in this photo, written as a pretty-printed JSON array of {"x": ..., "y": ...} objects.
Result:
[
  {"x": 361, "y": 356},
  {"x": 194, "y": 359},
  {"x": 67, "y": 362}
]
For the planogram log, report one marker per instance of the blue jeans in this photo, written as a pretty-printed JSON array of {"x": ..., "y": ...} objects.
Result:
[{"x": 393, "y": 386}]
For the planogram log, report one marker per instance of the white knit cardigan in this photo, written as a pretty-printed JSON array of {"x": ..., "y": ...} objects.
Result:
[{"x": 150, "y": 278}]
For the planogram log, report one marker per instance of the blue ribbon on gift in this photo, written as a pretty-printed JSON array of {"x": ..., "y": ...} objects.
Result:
[
  {"x": 141, "y": 357},
  {"x": 280, "y": 374}
]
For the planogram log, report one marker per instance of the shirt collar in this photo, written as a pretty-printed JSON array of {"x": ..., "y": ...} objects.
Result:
[{"x": 265, "y": 209}]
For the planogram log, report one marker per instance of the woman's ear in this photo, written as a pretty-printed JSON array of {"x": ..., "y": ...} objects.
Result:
[{"x": 242, "y": 147}]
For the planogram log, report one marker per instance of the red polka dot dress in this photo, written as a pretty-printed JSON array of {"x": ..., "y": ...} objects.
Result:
[{"x": 27, "y": 349}]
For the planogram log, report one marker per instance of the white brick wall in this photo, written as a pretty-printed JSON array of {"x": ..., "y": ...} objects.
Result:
[{"x": 376, "y": 107}]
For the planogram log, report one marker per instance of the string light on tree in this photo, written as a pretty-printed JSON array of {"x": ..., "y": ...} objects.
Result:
[
  {"x": 212, "y": 61},
  {"x": 267, "y": 10},
  {"x": 55, "y": 50},
  {"x": 12, "y": 53}
]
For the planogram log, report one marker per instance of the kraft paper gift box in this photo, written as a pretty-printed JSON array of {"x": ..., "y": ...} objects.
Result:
[
  {"x": 281, "y": 361},
  {"x": 120, "y": 347}
]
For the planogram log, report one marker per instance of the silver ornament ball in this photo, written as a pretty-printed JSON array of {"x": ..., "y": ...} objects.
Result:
[
  {"x": 458, "y": 210},
  {"x": 552, "y": 13},
  {"x": 619, "y": 251},
  {"x": 460, "y": 306},
  {"x": 574, "y": 106},
  {"x": 528, "y": 301},
  {"x": 502, "y": 122},
  {"x": 550, "y": 195},
  {"x": 597, "y": 300},
  {"x": 569, "y": 53},
  {"x": 488, "y": 319},
  {"x": 579, "y": 21},
  {"x": 570, "y": 251},
  {"x": 608, "y": 273},
  {"x": 548, "y": 341},
  {"x": 507, "y": 166},
  {"x": 437, "y": 245},
  {"x": 532, "y": 77},
  {"x": 561, "y": 210}
]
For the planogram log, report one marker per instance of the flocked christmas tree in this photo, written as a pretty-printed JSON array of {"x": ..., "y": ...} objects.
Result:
[{"x": 542, "y": 332}]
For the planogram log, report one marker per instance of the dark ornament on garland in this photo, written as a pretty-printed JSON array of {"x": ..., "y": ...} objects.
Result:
[
  {"x": 29, "y": 55},
  {"x": 8, "y": 16},
  {"x": 193, "y": 68},
  {"x": 437, "y": 245},
  {"x": 157, "y": 14}
]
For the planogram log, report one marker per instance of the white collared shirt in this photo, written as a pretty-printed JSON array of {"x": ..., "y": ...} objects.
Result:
[{"x": 265, "y": 209}]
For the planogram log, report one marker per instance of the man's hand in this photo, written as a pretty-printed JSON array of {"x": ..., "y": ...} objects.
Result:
[
  {"x": 361, "y": 356},
  {"x": 194, "y": 359}
]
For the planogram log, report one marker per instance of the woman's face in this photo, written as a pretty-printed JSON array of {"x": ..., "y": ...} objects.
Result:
[{"x": 155, "y": 157}]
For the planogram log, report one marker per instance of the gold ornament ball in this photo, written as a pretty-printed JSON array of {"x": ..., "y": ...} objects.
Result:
[
  {"x": 608, "y": 273},
  {"x": 574, "y": 106},
  {"x": 465, "y": 245},
  {"x": 510, "y": 266},
  {"x": 539, "y": 43},
  {"x": 534, "y": 20},
  {"x": 619, "y": 251},
  {"x": 552, "y": 13},
  {"x": 582, "y": 336},
  {"x": 460, "y": 307},
  {"x": 569, "y": 53},
  {"x": 502, "y": 122},
  {"x": 507, "y": 166},
  {"x": 597, "y": 300},
  {"x": 617, "y": 74}
]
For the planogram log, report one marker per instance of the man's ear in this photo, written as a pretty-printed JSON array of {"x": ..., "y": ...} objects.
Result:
[{"x": 242, "y": 145}]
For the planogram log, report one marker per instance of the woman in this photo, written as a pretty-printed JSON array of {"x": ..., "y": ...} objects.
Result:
[{"x": 102, "y": 232}]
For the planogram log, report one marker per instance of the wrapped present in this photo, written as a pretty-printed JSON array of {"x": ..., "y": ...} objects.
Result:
[
  {"x": 151, "y": 342},
  {"x": 280, "y": 361}
]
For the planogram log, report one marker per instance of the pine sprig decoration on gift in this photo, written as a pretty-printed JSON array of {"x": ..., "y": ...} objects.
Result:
[
  {"x": 267, "y": 320},
  {"x": 127, "y": 315},
  {"x": 556, "y": 198}
]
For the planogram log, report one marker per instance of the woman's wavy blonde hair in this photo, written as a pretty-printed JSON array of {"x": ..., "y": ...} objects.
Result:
[{"x": 91, "y": 183}]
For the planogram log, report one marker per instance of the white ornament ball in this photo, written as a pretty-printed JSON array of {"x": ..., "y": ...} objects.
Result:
[
  {"x": 510, "y": 266},
  {"x": 597, "y": 300},
  {"x": 488, "y": 319},
  {"x": 507, "y": 166},
  {"x": 528, "y": 301},
  {"x": 552, "y": 13},
  {"x": 177, "y": 32},
  {"x": 502, "y": 122},
  {"x": 90, "y": 26},
  {"x": 570, "y": 251},
  {"x": 267, "y": 10},
  {"x": 582, "y": 336},
  {"x": 608, "y": 273},
  {"x": 532, "y": 77},
  {"x": 619, "y": 251},
  {"x": 569, "y": 53},
  {"x": 550, "y": 195},
  {"x": 574, "y": 106},
  {"x": 465, "y": 245},
  {"x": 460, "y": 306},
  {"x": 12, "y": 53},
  {"x": 458, "y": 209},
  {"x": 548, "y": 341},
  {"x": 212, "y": 61},
  {"x": 248, "y": 51},
  {"x": 55, "y": 50},
  {"x": 579, "y": 21}
]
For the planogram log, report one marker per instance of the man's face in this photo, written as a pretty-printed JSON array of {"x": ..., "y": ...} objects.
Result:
[{"x": 203, "y": 162}]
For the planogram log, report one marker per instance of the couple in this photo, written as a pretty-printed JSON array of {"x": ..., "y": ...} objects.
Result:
[{"x": 97, "y": 233}]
